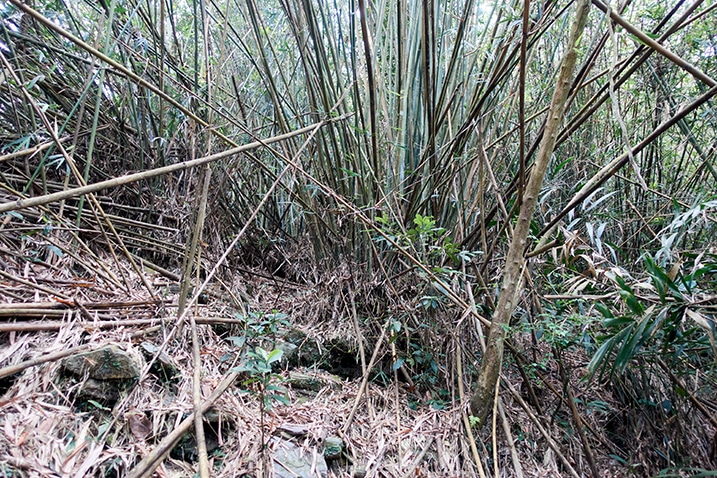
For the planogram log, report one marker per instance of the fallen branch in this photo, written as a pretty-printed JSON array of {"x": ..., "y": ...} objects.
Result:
[
  {"x": 149, "y": 463},
  {"x": 13, "y": 369}
]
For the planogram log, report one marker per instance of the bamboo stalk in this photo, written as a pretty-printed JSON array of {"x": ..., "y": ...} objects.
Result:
[
  {"x": 515, "y": 261},
  {"x": 131, "y": 178}
]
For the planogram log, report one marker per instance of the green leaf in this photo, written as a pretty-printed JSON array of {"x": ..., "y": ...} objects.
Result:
[
  {"x": 604, "y": 310},
  {"x": 397, "y": 364},
  {"x": 262, "y": 354},
  {"x": 598, "y": 360},
  {"x": 98, "y": 405},
  {"x": 662, "y": 281},
  {"x": 283, "y": 399},
  {"x": 103, "y": 428},
  {"x": 34, "y": 81},
  {"x": 614, "y": 322},
  {"x": 632, "y": 303},
  {"x": 55, "y": 250},
  {"x": 681, "y": 391},
  {"x": 274, "y": 356},
  {"x": 631, "y": 346},
  {"x": 349, "y": 173},
  {"x": 14, "y": 214},
  {"x": 237, "y": 341}
]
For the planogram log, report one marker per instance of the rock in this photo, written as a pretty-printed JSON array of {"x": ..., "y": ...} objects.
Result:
[
  {"x": 164, "y": 366},
  {"x": 291, "y": 461},
  {"x": 333, "y": 446},
  {"x": 359, "y": 472},
  {"x": 336, "y": 355},
  {"x": 293, "y": 429},
  {"x": 307, "y": 351},
  {"x": 186, "y": 449},
  {"x": 105, "y": 391},
  {"x": 312, "y": 382},
  {"x": 107, "y": 363},
  {"x": 288, "y": 349},
  {"x": 108, "y": 372}
]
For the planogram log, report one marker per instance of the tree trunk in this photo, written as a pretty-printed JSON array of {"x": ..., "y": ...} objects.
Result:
[{"x": 482, "y": 400}]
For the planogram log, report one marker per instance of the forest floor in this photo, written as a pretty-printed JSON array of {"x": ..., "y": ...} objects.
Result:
[
  {"x": 336, "y": 402},
  {"x": 55, "y": 424}
]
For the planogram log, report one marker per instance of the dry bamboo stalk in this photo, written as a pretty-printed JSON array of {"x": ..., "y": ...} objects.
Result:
[
  {"x": 96, "y": 207},
  {"x": 517, "y": 467},
  {"x": 13, "y": 369},
  {"x": 616, "y": 164},
  {"x": 34, "y": 286},
  {"x": 104, "y": 324},
  {"x": 152, "y": 460},
  {"x": 464, "y": 414},
  {"x": 88, "y": 305},
  {"x": 130, "y": 178},
  {"x": 55, "y": 325},
  {"x": 570, "y": 398},
  {"x": 551, "y": 443},
  {"x": 674, "y": 58},
  {"x": 482, "y": 400},
  {"x": 30, "y": 151}
]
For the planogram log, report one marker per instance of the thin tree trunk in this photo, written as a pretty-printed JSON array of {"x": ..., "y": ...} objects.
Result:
[{"x": 482, "y": 400}]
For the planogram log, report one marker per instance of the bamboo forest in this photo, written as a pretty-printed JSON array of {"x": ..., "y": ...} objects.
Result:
[{"x": 358, "y": 238}]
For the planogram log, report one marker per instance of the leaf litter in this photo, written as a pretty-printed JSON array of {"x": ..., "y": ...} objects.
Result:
[{"x": 388, "y": 425}]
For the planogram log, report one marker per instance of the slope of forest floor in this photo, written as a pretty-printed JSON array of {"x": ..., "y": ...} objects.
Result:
[{"x": 54, "y": 424}]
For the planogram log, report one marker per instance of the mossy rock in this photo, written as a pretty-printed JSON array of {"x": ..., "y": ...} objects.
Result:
[
  {"x": 337, "y": 356},
  {"x": 312, "y": 382},
  {"x": 106, "y": 363}
]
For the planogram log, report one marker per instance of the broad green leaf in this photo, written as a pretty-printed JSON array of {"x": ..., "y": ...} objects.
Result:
[
  {"x": 274, "y": 356},
  {"x": 614, "y": 322}
]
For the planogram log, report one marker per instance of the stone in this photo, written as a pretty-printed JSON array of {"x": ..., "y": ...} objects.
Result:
[
  {"x": 307, "y": 351},
  {"x": 104, "y": 391},
  {"x": 288, "y": 349},
  {"x": 293, "y": 429},
  {"x": 333, "y": 446},
  {"x": 106, "y": 363},
  {"x": 186, "y": 449},
  {"x": 291, "y": 461},
  {"x": 164, "y": 366},
  {"x": 337, "y": 355},
  {"x": 312, "y": 382}
]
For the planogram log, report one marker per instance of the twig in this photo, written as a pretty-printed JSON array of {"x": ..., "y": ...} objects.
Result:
[
  {"x": 13, "y": 369},
  {"x": 509, "y": 438},
  {"x": 688, "y": 67},
  {"x": 131, "y": 178},
  {"x": 464, "y": 415},
  {"x": 197, "y": 402},
  {"x": 197, "y": 361},
  {"x": 576, "y": 418},
  {"x": 699, "y": 405},
  {"x": 19, "y": 306},
  {"x": 104, "y": 324},
  {"x": 33, "y": 285},
  {"x": 364, "y": 380},
  {"x": 419, "y": 458},
  {"x": 546, "y": 435},
  {"x": 149, "y": 463},
  {"x": 494, "y": 432}
]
